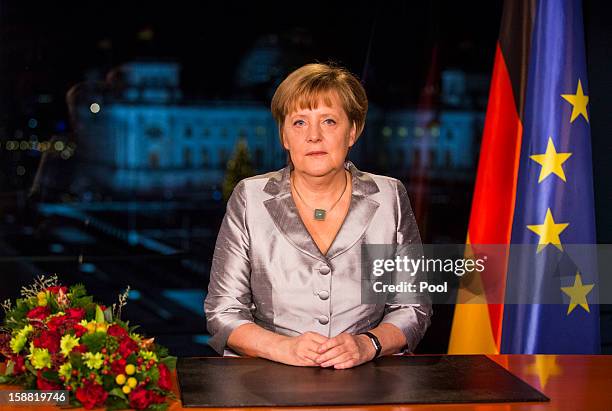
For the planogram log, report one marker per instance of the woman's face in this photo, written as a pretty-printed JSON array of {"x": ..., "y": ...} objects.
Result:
[{"x": 318, "y": 139}]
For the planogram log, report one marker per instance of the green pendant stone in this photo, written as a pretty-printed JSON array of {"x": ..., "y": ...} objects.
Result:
[{"x": 319, "y": 214}]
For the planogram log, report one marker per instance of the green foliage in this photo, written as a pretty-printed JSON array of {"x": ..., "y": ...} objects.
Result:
[
  {"x": 99, "y": 315},
  {"x": 76, "y": 360},
  {"x": 111, "y": 343},
  {"x": 6, "y": 379},
  {"x": 16, "y": 318},
  {"x": 158, "y": 407},
  {"x": 94, "y": 341},
  {"x": 116, "y": 403},
  {"x": 51, "y": 376},
  {"x": 239, "y": 167},
  {"x": 108, "y": 315},
  {"x": 161, "y": 351},
  {"x": 117, "y": 392},
  {"x": 108, "y": 382},
  {"x": 169, "y": 362},
  {"x": 77, "y": 291}
]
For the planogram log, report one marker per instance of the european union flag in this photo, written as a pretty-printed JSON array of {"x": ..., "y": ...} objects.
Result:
[{"x": 554, "y": 205}]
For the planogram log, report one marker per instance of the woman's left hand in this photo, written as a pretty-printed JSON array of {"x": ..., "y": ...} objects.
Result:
[{"x": 345, "y": 351}]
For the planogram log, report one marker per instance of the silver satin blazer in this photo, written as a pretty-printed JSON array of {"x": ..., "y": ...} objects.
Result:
[{"x": 267, "y": 269}]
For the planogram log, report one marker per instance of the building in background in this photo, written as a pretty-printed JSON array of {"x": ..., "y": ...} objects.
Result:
[{"x": 141, "y": 135}]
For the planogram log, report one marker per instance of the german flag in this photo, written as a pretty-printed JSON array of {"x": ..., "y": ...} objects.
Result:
[{"x": 477, "y": 326}]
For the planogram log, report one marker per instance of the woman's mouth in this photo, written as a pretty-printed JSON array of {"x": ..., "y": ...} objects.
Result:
[{"x": 316, "y": 153}]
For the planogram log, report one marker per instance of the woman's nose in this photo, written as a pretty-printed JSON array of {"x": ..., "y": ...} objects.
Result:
[{"x": 314, "y": 134}]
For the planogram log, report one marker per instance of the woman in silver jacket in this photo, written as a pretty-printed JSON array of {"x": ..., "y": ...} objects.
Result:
[{"x": 285, "y": 282}]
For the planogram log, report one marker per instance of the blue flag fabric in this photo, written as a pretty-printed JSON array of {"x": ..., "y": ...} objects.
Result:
[{"x": 554, "y": 198}]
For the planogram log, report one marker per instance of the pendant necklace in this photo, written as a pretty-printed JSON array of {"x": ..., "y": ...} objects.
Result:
[{"x": 319, "y": 213}]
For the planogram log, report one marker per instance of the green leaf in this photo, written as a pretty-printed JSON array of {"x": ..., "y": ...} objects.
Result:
[
  {"x": 10, "y": 368},
  {"x": 169, "y": 362},
  {"x": 116, "y": 403},
  {"x": 76, "y": 359},
  {"x": 29, "y": 367},
  {"x": 94, "y": 342},
  {"x": 99, "y": 315},
  {"x": 77, "y": 291},
  {"x": 161, "y": 351},
  {"x": 51, "y": 376},
  {"x": 108, "y": 382},
  {"x": 158, "y": 407},
  {"x": 5, "y": 379},
  {"x": 108, "y": 315},
  {"x": 117, "y": 392}
]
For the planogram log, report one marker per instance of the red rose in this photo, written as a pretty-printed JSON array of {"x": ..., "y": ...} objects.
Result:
[
  {"x": 56, "y": 322},
  {"x": 76, "y": 314},
  {"x": 46, "y": 385},
  {"x": 79, "y": 330},
  {"x": 82, "y": 348},
  {"x": 49, "y": 340},
  {"x": 141, "y": 398},
  {"x": 127, "y": 347},
  {"x": 91, "y": 395},
  {"x": 117, "y": 331},
  {"x": 165, "y": 379},
  {"x": 38, "y": 313},
  {"x": 56, "y": 289},
  {"x": 118, "y": 366}
]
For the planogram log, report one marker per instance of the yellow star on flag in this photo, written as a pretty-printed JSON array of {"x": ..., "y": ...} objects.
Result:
[
  {"x": 551, "y": 161},
  {"x": 548, "y": 231},
  {"x": 579, "y": 102},
  {"x": 578, "y": 294}
]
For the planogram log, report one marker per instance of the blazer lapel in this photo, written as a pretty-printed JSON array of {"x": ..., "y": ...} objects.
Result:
[{"x": 284, "y": 213}]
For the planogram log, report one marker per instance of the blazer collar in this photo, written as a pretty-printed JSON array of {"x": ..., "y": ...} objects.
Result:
[{"x": 284, "y": 213}]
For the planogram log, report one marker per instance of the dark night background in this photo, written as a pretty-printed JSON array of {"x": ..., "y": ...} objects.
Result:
[{"x": 53, "y": 219}]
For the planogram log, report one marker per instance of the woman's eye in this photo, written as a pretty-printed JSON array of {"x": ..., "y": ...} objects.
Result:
[
  {"x": 330, "y": 121},
  {"x": 298, "y": 123}
]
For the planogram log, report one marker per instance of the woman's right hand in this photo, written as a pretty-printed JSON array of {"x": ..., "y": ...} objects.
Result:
[{"x": 300, "y": 350}]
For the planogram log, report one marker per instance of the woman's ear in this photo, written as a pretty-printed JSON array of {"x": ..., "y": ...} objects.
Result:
[
  {"x": 353, "y": 135},
  {"x": 282, "y": 137}
]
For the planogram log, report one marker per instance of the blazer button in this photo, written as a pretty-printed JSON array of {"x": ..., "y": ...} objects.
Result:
[
  {"x": 323, "y": 320},
  {"x": 324, "y": 270},
  {"x": 323, "y": 295}
]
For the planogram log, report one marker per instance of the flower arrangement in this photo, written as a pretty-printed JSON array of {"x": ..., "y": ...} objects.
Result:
[{"x": 58, "y": 338}]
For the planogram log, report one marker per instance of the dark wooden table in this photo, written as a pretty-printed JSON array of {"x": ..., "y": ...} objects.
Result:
[{"x": 572, "y": 382}]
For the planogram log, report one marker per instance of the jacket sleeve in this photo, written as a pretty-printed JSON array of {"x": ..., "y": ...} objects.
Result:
[
  {"x": 412, "y": 319},
  {"x": 229, "y": 303}
]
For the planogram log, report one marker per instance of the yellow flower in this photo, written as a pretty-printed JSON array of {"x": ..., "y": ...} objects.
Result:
[
  {"x": 42, "y": 298},
  {"x": 91, "y": 327},
  {"x": 67, "y": 343},
  {"x": 40, "y": 358},
  {"x": 65, "y": 370},
  {"x": 101, "y": 327},
  {"x": 148, "y": 355},
  {"x": 19, "y": 340},
  {"x": 132, "y": 382},
  {"x": 120, "y": 379},
  {"x": 130, "y": 369},
  {"x": 93, "y": 361},
  {"x": 126, "y": 389}
]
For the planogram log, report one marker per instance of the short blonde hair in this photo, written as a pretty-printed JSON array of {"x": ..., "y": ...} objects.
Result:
[{"x": 304, "y": 87}]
